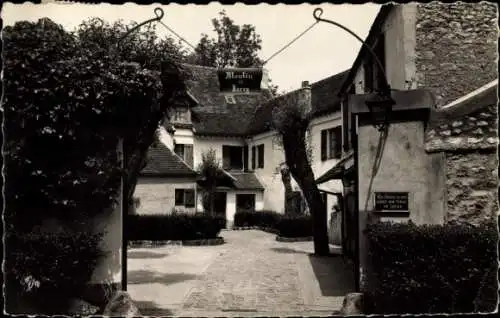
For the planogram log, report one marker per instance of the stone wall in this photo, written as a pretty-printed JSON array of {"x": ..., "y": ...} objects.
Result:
[
  {"x": 456, "y": 48},
  {"x": 472, "y": 186}
]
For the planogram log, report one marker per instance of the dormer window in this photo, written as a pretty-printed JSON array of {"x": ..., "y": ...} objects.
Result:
[
  {"x": 181, "y": 115},
  {"x": 230, "y": 99}
]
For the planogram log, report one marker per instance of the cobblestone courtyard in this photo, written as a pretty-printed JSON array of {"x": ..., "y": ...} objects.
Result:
[{"x": 251, "y": 274}]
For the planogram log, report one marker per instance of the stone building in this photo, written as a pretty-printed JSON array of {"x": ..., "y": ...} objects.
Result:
[
  {"x": 465, "y": 133},
  {"x": 440, "y": 61}
]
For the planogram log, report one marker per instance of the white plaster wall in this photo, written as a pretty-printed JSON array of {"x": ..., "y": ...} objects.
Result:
[
  {"x": 400, "y": 41},
  {"x": 166, "y": 138},
  {"x": 183, "y": 136},
  {"x": 109, "y": 268},
  {"x": 269, "y": 176},
  {"x": 157, "y": 195},
  {"x": 320, "y": 167},
  {"x": 203, "y": 144}
]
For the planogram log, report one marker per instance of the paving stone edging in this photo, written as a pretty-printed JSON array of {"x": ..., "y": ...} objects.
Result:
[
  {"x": 273, "y": 231},
  {"x": 265, "y": 229},
  {"x": 145, "y": 243},
  {"x": 293, "y": 239}
]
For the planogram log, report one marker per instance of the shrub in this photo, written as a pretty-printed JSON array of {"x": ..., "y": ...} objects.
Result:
[
  {"x": 295, "y": 226},
  {"x": 46, "y": 269},
  {"x": 267, "y": 219},
  {"x": 174, "y": 227},
  {"x": 428, "y": 268}
]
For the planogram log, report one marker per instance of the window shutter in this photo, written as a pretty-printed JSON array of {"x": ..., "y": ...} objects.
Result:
[
  {"x": 253, "y": 158},
  {"x": 188, "y": 155},
  {"x": 179, "y": 196},
  {"x": 189, "y": 198},
  {"x": 338, "y": 142},
  {"x": 261, "y": 156},
  {"x": 245, "y": 158},
  {"x": 323, "y": 145},
  {"x": 226, "y": 157}
]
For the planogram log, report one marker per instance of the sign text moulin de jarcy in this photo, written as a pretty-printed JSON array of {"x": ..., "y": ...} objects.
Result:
[{"x": 240, "y": 80}]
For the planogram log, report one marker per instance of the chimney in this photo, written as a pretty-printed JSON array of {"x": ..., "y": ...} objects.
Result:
[{"x": 305, "y": 84}]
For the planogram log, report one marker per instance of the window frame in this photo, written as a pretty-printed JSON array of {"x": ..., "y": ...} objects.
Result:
[{"x": 260, "y": 156}]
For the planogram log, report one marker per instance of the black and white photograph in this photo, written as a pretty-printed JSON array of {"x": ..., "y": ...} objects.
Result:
[{"x": 250, "y": 160}]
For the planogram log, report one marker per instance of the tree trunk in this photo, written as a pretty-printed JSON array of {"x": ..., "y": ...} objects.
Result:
[
  {"x": 212, "y": 201},
  {"x": 300, "y": 168},
  {"x": 287, "y": 184}
]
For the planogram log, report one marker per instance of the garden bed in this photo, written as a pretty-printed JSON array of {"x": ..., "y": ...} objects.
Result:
[
  {"x": 293, "y": 239},
  {"x": 149, "y": 244}
]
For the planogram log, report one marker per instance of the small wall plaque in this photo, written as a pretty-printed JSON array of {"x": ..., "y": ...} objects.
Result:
[
  {"x": 391, "y": 202},
  {"x": 240, "y": 80}
]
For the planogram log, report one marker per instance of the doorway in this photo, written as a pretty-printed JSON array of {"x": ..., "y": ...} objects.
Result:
[{"x": 220, "y": 202}]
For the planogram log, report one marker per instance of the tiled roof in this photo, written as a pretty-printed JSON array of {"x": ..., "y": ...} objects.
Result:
[
  {"x": 337, "y": 171},
  {"x": 324, "y": 100},
  {"x": 324, "y": 94},
  {"x": 246, "y": 181},
  {"x": 165, "y": 163},
  {"x": 470, "y": 124},
  {"x": 215, "y": 116}
]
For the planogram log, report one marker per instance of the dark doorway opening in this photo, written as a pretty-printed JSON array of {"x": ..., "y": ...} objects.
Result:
[
  {"x": 220, "y": 203},
  {"x": 245, "y": 202}
]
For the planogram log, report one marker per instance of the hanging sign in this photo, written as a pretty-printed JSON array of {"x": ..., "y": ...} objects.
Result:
[
  {"x": 391, "y": 201},
  {"x": 240, "y": 80}
]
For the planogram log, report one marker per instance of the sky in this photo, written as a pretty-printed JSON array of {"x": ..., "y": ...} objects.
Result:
[{"x": 323, "y": 51}]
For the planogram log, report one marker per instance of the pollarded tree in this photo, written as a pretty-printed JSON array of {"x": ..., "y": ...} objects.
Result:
[
  {"x": 291, "y": 118},
  {"x": 211, "y": 174}
]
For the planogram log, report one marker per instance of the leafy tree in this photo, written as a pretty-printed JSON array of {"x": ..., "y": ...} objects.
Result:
[
  {"x": 233, "y": 46},
  {"x": 212, "y": 175},
  {"x": 143, "y": 47},
  {"x": 291, "y": 118},
  {"x": 66, "y": 103}
]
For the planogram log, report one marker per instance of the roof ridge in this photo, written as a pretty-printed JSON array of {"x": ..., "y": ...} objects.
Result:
[{"x": 180, "y": 159}]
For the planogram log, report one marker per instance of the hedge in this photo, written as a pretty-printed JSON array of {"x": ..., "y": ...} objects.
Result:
[
  {"x": 286, "y": 225},
  {"x": 174, "y": 227},
  {"x": 46, "y": 270},
  {"x": 448, "y": 268}
]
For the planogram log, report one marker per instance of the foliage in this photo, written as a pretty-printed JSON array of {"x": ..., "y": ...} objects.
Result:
[
  {"x": 174, "y": 227},
  {"x": 284, "y": 225},
  {"x": 429, "y": 268},
  {"x": 141, "y": 46},
  {"x": 211, "y": 174},
  {"x": 252, "y": 218},
  {"x": 233, "y": 46},
  {"x": 48, "y": 269},
  {"x": 295, "y": 226},
  {"x": 66, "y": 103}
]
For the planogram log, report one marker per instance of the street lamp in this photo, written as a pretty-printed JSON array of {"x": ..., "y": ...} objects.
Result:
[{"x": 380, "y": 103}]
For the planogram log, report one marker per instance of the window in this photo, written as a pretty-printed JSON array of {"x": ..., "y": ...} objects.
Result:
[
  {"x": 189, "y": 198},
  {"x": 181, "y": 115},
  {"x": 185, "y": 198},
  {"x": 254, "y": 150},
  {"x": 331, "y": 143},
  {"x": 245, "y": 202},
  {"x": 232, "y": 157},
  {"x": 185, "y": 152},
  {"x": 258, "y": 156},
  {"x": 179, "y": 197},
  {"x": 230, "y": 99},
  {"x": 260, "y": 152}
]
